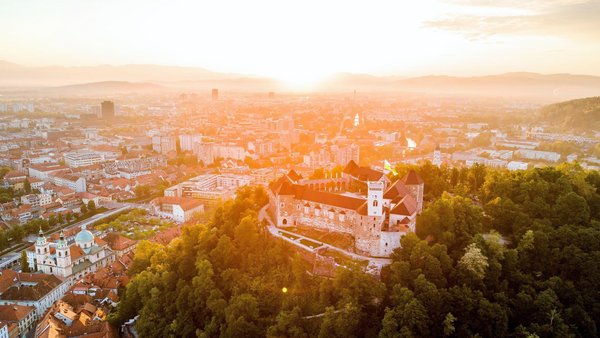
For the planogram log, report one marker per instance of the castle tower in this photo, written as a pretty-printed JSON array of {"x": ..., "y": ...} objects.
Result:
[
  {"x": 375, "y": 198},
  {"x": 42, "y": 248},
  {"x": 416, "y": 185},
  {"x": 63, "y": 254}
]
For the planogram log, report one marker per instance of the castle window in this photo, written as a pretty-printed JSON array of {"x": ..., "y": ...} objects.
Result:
[
  {"x": 375, "y": 203},
  {"x": 284, "y": 222},
  {"x": 282, "y": 204}
]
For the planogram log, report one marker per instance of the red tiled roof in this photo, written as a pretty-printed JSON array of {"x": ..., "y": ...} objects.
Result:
[
  {"x": 14, "y": 313},
  {"x": 395, "y": 190},
  {"x": 117, "y": 242},
  {"x": 407, "y": 206},
  {"x": 362, "y": 173},
  {"x": 412, "y": 178},
  {"x": 76, "y": 252}
]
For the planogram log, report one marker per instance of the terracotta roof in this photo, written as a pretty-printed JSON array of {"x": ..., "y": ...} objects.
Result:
[
  {"x": 395, "y": 190},
  {"x": 13, "y": 174},
  {"x": 117, "y": 242},
  {"x": 407, "y": 206},
  {"x": 362, "y": 173},
  {"x": 44, "y": 284},
  {"x": 294, "y": 175},
  {"x": 76, "y": 252},
  {"x": 14, "y": 313},
  {"x": 412, "y": 178}
]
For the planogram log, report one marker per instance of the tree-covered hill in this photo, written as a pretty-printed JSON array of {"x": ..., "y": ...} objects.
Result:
[
  {"x": 496, "y": 254},
  {"x": 577, "y": 114}
]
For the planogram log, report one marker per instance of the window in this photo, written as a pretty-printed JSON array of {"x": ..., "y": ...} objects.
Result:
[
  {"x": 375, "y": 203},
  {"x": 284, "y": 222}
]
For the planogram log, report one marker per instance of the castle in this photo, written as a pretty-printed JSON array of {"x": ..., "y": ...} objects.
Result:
[
  {"x": 85, "y": 254},
  {"x": 362, "y": 202}
]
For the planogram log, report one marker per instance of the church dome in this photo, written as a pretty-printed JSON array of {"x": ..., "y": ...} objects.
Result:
[{"x": 84, "y": 236}]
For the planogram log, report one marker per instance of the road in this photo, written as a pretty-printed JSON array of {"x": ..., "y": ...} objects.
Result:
[{"x": 275, "y": 231}]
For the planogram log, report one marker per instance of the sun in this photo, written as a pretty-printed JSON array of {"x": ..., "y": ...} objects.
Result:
[{"x": 301, "y": 79}]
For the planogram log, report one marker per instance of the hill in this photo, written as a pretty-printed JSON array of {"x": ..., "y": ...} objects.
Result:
[
  {"x": 106, "y": 87},
  {"x": 574, "y": 114},
  {"x": 519, "y": 85}
]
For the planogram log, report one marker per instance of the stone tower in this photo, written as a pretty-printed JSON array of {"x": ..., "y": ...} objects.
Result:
[
  {"x": 42, "y": 248},
  {"x": 375, "y": 198},
  {"x": 63, "y": 253}
]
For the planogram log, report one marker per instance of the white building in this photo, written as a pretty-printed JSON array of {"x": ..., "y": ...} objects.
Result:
[
  {"x": 549, "y": 156},
  {"x": 82, "y": 158},
  {"x": 31, "y": 289},
  {"x": 187, "y": 141},
  {"x": 70, "y": 181},
  {"x": 179, "y": 209},
  {"x": 516, "y": 165}
]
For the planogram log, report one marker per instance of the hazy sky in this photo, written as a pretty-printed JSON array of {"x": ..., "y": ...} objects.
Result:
[{"x": 305, "y": 40}]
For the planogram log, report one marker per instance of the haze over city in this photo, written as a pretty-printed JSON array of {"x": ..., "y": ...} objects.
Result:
[{"x": 299, "y": 168}]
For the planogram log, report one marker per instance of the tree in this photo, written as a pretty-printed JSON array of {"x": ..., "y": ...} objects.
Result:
[
  {"x": 474, "y": 261},
  {"x": 449, "y": 324},
  {"x": 24, "y": 262},
  {"x": 571, "y": 208},
  {"x": 83, "y": 208},
  {"x": 27, "y": 186},
  {"x": 91, "y": 205},
  {"x": 289, "y": 324}
]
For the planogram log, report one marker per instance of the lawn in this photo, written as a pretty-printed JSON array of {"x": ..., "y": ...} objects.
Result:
[
  {"x": 136, "y": 224},
  {"x": 340, "y": 240}
]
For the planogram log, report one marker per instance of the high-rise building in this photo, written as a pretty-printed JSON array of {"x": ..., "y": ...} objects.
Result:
[
  {"x": 187, "y": 141},
  {"x": 437, "y": 156},
  {"x": 108, "y": 109},
  {"x": 164, "y": 144},
  {"x": 215, "y": 94}
]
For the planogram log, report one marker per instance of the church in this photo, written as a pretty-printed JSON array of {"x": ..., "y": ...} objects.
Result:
[
  {"x": 362, "y": 202},
  {"x": 70, "y": 258}
]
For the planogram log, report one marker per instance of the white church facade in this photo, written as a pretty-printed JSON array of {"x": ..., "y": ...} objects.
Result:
[{"x": 70, "y": 259}]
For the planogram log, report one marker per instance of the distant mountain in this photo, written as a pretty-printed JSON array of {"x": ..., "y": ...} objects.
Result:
[
  {"x": 574, "y": 114},
  {"x": 16, "y": 75},
  {"x": 546, "y": 88},
  {"x": 105, "y": 87},
  {"x": 552, "y": 87}
]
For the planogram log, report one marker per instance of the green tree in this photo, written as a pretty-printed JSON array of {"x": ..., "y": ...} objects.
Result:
[{"x": 24, "y": 262}]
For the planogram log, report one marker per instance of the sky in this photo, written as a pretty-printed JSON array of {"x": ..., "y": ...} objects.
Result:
[{"x": 304, "y": 41}]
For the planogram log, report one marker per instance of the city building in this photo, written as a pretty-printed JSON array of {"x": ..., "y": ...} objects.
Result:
[
  {"x": 179, "y": 209},
  {"x": 108, "y": 109},
  {"x": 187, "y": 141},
  {"x": 38, "y": 290},
  {"x": 22, "y": 316},
  {"x": 214, "y": 94},
  {"x": 210, "y": 189},
  {"x": 164, "y": 144},
  {"x": 82, "y": 158}
]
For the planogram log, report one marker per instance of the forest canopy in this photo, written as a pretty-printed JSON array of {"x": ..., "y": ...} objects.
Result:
[{"x": 496, "y": 253}]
